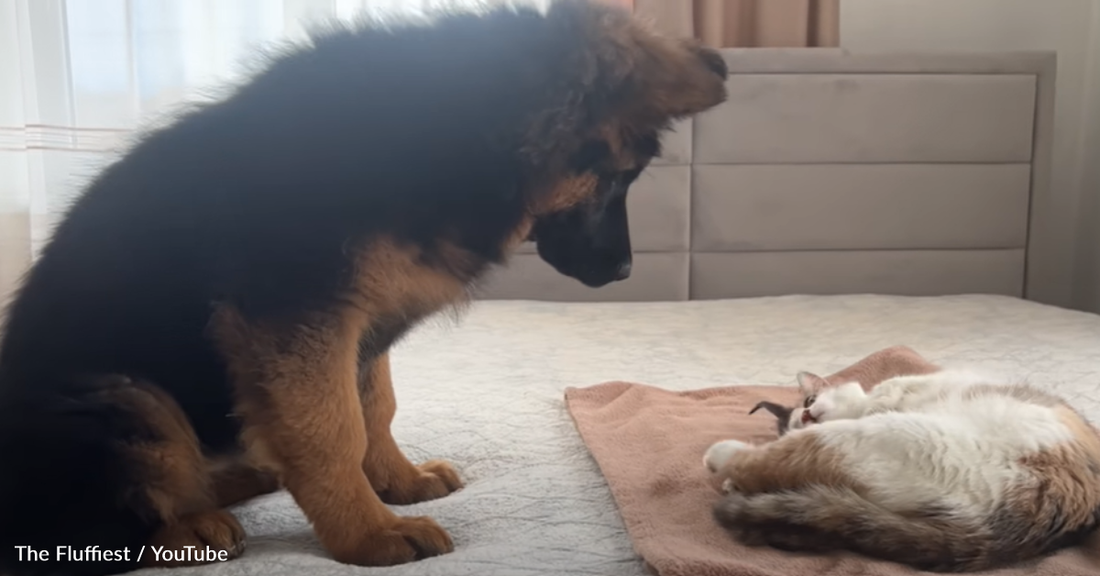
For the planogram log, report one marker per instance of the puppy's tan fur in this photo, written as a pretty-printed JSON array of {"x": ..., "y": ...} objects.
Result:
[{"x": 314, "y": 232}]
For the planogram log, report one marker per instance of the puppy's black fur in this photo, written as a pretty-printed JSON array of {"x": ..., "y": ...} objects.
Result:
[{"x": 415, "y": 133}]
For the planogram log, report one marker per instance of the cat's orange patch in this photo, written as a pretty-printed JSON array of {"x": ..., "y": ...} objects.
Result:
[
  {"x": 1083, "y": 431},
  {"x": 1068, "y": 478},
  {"x": 792, "y": 462}
]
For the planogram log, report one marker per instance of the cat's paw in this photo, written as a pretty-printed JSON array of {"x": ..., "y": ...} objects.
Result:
[{"x": 720, "y": 452}]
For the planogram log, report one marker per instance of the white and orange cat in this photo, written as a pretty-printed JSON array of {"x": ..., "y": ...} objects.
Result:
[{"x": 951, "y": 471}]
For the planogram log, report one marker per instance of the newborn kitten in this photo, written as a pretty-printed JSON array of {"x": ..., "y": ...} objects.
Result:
[{"x": 950, "y": 471}]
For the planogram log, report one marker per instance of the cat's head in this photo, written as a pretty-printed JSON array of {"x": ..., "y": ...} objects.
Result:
[{"x": 820, "y": 402}]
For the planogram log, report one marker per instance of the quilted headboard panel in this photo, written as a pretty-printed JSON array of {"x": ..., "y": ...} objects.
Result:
[{"x": 827, "y": 172}]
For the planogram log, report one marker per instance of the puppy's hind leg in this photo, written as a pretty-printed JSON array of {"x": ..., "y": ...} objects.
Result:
[
  {"x": 176, "y": 488},
  {"x": 103, "y": 463},
  {"x": 237, "y": 480}
]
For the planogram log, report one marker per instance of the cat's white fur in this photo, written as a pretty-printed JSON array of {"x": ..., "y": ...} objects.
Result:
[
  {"x": 925, "y": 432},
  {"x": 944, "y": 439}
]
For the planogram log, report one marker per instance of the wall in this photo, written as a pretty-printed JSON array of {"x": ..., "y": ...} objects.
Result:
[
  {"x": 1072, "y": 28},
  {"x": 1088, "y": 256}
]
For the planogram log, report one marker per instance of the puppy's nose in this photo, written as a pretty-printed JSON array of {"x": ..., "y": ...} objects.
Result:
[{"x": 623, "y": 272}]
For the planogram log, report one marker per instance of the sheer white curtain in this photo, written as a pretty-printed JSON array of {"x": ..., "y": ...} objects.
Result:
[{"x": 76, "y": 76}]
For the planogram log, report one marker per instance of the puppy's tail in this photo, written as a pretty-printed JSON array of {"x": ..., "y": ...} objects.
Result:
[{"x": 821, "y": 519}]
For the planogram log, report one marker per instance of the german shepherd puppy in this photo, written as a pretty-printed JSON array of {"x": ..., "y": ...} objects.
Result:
[{"x": 211, "y": 319}]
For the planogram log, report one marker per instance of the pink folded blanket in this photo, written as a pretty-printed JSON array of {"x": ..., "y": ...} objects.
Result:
[{"x": 649, "y": 443}]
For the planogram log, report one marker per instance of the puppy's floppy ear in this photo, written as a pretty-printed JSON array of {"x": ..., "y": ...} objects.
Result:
[
  {"x": 643, "y": 76},
  {"x": 712, "y": 59},
  {"x": 679, "y": 77}
]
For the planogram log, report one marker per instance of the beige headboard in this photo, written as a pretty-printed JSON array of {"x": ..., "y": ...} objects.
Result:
[{"x": 827, "y": 172}]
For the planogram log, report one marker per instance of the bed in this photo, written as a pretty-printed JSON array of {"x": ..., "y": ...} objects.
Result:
[{"x": 835, "y": 205}]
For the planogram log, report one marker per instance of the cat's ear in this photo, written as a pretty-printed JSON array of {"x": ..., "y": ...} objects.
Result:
[{"x": 809, "y": 383}]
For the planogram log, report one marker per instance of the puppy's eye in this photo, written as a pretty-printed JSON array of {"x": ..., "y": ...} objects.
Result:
[{"x": 809, "y": 401}]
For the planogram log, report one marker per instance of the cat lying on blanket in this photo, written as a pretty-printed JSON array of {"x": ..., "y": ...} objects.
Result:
[{"x": 950, "y": 471}]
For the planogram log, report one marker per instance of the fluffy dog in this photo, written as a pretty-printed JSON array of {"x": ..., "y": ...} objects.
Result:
[{"x": 211, "y": 319}]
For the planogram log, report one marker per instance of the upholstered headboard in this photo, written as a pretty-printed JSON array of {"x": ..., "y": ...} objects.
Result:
[{"x": 827, "y": 172}]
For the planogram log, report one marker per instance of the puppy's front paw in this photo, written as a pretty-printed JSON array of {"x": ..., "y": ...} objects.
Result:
[
  {"x": 409, "y": 539},
  {"x": 720, "y": 452},
  {"x": 434, "y": 479}
]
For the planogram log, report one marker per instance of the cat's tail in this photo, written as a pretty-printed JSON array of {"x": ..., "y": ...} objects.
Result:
[{"x": 822, "y": 518}]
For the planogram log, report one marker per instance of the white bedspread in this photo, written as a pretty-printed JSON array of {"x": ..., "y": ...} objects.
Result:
[{"x": 486, "y": 393}]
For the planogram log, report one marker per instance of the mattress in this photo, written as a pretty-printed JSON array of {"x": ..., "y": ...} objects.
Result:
[{"x": 485, "y": 391}]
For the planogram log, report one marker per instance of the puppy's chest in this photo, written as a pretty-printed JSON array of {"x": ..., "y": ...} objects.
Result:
[
  {"x": 395, "y": 287},
  {"x": 396, "y": 284}
]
